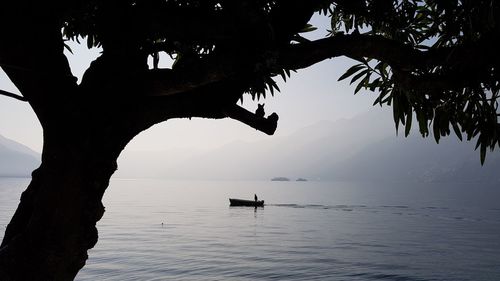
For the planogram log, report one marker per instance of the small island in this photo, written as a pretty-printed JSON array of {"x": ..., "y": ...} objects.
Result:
[
  {"x": 301, "y": 179},
  {"x": 280, "y": 179}
]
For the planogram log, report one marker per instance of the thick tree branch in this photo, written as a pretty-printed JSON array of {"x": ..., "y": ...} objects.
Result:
[
  {"x": 41, "y": 73},
  {"x": 354, "y": 46},
  {"x": 267, "y": 125},
  {"x": 169, "y": 82},
  {"x": 11, "y": 95},
  {"x": 462, "y": 63},
  {"x": 112, "y": 74},
  {"x": 397, "y": 54},
  {"x": 214, "y": 101},
  {"x": 210, "y": 108}
]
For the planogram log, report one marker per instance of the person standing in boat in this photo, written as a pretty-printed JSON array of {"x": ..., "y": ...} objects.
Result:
[{"x": 255, "y": 197}]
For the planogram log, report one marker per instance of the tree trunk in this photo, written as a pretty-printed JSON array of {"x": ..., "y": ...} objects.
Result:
[{"x": 54, "y": 224}]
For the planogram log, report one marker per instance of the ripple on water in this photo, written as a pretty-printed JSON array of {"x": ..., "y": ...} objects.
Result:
[{"x": 320, "y": 231}]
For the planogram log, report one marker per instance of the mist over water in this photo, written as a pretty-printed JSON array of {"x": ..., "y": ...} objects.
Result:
[{"x": 306, "y": 231}]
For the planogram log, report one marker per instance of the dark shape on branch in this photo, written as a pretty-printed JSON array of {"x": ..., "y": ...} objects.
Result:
[
  {"x": 260, "y": 110},
  {"x": 267, "y": 125}
]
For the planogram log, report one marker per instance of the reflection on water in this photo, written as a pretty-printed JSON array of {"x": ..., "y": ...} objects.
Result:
[{"x": 167, "y": 230}]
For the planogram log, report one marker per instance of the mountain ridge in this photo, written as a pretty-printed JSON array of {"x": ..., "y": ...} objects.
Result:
[
  {"x": 16, "y": 159},
  {"x": 364, "y": 147}
]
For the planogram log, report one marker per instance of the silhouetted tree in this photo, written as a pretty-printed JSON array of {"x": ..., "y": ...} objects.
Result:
[{"x": 435, "y": 58}]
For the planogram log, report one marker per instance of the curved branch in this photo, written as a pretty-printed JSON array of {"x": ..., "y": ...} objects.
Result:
[
  {"x": 42, "y": 76},
  {"x": 165, "y": 82},
  {"x": 109, "y": 74},
  {"x": 214, "y": 101},
  {"x": 459, "y": 66},
  {"x": 397, "y": 54},
  {"x": 355, "y": 46}
]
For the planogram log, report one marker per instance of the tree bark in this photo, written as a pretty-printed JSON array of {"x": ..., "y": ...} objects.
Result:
[{"x": 55, "y": 223}]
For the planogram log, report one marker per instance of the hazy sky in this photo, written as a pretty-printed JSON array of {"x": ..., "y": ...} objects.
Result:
[{"x": 309, "y": 96}]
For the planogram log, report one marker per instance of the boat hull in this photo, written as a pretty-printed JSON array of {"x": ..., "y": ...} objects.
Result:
[{"x": 246, "y": 203}]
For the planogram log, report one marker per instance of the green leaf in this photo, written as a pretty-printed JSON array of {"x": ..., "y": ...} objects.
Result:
[
  {"x": 422, "y": 124},
  {"x": 67, "y": 47},
  {"x": 300, "y": 39},
  {"x": 376, "y": 83},
  {"x": 362, "y": 83},
  {"x": 308, "y": 28},
  {"x": 457, "y": 130},
  {"x": 435, "y": 127},
  {"x": 479, "y": 141},
  {"x": 483, "y": 153},
  {"x": 359, "y": 75},
  {"x": 90, "y": 41},
  {"x": 395, "y": 112},
  {"x": 283, "y": 75},
  {"x": 409, "y": 117},
  {"x": 351, "y": 71}
]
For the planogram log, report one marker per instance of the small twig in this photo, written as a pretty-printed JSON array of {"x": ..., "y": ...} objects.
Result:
[{"x": 17, "y": 97}]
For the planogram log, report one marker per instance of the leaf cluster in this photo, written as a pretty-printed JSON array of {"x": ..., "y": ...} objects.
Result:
[
  {"x": 469, "y": 110},
  {"x": 445, "y": 95},
  {"x": 150, "y": 27}
]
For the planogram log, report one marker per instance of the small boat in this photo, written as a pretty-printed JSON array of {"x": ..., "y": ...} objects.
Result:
[{"x": 246, "y": 203}]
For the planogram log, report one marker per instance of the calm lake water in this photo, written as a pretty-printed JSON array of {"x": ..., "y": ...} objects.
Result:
[{"x": 307, "y": 231}]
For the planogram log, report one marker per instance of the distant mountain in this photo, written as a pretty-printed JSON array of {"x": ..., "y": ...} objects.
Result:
[
  {"x": 416, "y": 159},
  {"x": 362, "y": 148},
  {"x": 295, "y": 155},
  {"x": 16, "y": 160},
  {"x": 153, "y": 164}
]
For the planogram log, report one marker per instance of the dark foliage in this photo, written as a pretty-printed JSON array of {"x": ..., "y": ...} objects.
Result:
[{"x": 436, "y": 59}]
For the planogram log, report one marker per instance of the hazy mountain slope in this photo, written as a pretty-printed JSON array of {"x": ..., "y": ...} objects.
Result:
[
  {"x": 362, "y": 148},
  {"x": 416, "y": 159},
  {"x": 151, "y": 164},
  {"x": 296, "y": 155},
  {"x": 16, "y": 160},
  {"x": 346, "y": 139}
]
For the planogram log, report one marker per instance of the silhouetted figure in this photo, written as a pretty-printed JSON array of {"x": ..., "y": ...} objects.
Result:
[
  {"x": 255, "y": 197},
  {"x": 260, "y": 110}
]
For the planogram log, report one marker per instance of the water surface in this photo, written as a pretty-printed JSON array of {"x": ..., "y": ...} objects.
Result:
[{"x": 185, "y": 230}]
